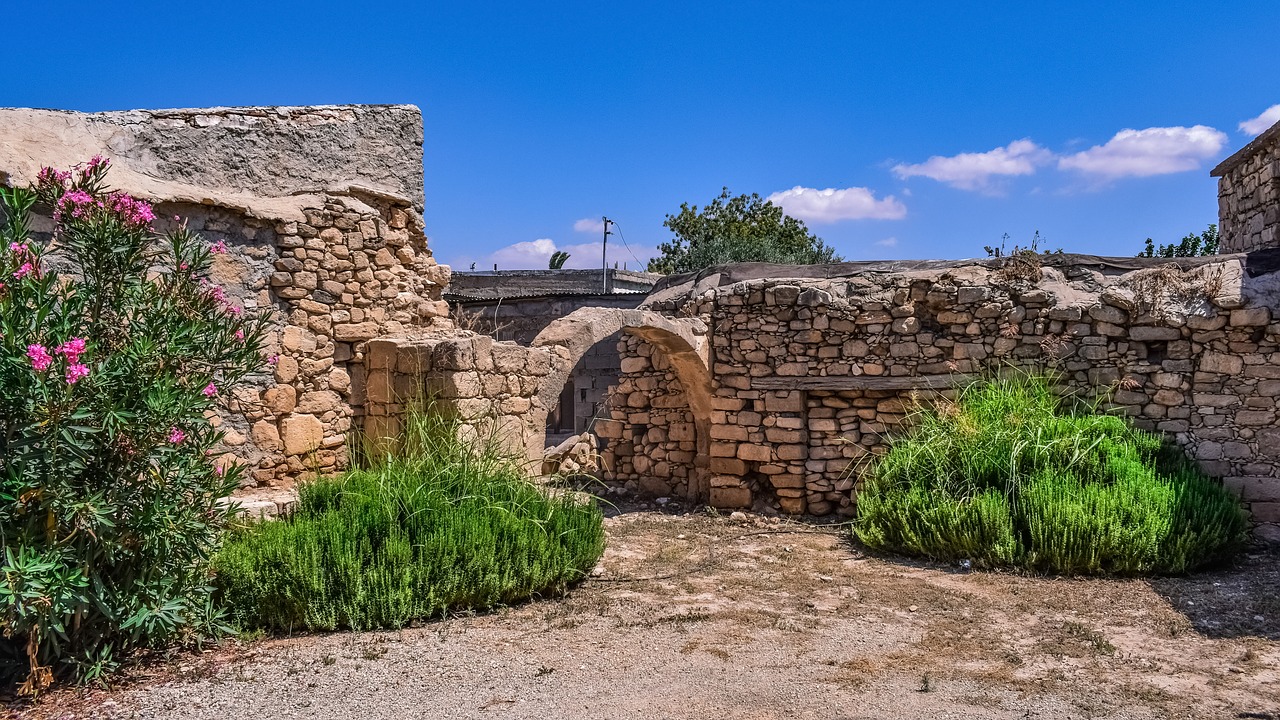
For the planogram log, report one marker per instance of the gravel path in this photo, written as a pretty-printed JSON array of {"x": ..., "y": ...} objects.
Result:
[{"x": 695, "y": 616}]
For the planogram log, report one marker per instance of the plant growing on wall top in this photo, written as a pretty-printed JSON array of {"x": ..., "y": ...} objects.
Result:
[{"x": 109, "y": 487}]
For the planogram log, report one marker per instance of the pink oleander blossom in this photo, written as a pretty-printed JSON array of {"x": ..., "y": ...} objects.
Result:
[
  {"x": 26, "y": 269},
  {"x": 72, "y": 349},
  {"x": 218, "y": 248},
  {"x": 76, "y": 372},
  {"x": 19, "y": 248},
  {"x": 273, "y": 359},
  {"x": 40, "y": 357},
  {"x": 78, "y": 202},
  {"x": 176, "y": 436},
  {"x": 134, "y": 212},
  {"x": 220, "y": 471},
  {"x": 210, "y": 390},
  {"x": 240, "y": 335},
  {"x": 50, "y": 176}
]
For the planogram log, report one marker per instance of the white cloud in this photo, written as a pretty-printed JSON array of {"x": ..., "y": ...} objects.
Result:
[
  {"x": 536, "y": 255},
  {"x": 1143, "y": 153},
  {"x": 832, "y": 205},
  {"x": 589, "y": 225},
  {"x": 1262, "y": 123},
  {"x": 522, "y": 255},
  {"x": 974, "y": 171},
  {"x": 888, "y": 242}
]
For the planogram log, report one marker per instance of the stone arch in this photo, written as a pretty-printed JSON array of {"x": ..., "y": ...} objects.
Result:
[{"x": 682, "y": 340}]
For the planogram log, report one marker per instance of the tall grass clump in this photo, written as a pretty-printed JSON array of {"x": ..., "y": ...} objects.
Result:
[
  {"x": 1007, "y": 476},
  {"x": 434, "y": 526}
]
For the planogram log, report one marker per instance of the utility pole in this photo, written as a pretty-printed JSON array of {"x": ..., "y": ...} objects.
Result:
[{"x": 604, "y": 255}]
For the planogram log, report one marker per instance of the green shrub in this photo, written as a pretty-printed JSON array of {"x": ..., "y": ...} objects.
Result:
[
  {"x": 433, "y": 527},
  {"x": 109, "y": 498},
  {"x": 1004, "y": 477}
]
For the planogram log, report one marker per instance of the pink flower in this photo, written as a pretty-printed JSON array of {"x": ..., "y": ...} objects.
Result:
[
  {"x": 176, "y": 435},
  {"x": 20, "y": 248},
  {"x": 26, "y": 269},
  {"x": 210, "y": 390},
  {"x": 273, "y": 359},
  {"x": 78, "y": 202},
  {"x": 233, "y": 309},
  {"x": 135, "y": 213},
  {"x": 240, "y": 335},
  {"x": 218, "y": 248},
  {"x": 220, "y": 471},
  {"x": 40, "y": 357},
  {"x": 76, "y": 372},
  {"x": 73, "y": 349},
  {"x": 49, "y": 176}
]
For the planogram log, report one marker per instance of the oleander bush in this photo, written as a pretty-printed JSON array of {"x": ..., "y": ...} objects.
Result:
[
  {"x": 434, "y": 527},
  {"x": 1007, "y": 476},
  {"x": 109, "y": 494}
]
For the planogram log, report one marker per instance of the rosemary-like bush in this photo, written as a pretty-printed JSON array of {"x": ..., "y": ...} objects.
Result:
[
  {"x": 1005, "y": 477},
  {"x": 433, "y": 527}
]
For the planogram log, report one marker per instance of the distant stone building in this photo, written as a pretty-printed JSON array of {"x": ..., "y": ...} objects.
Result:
[
  {"x": 1249, "y": 195},
  {"x": 519, "y": 304}
]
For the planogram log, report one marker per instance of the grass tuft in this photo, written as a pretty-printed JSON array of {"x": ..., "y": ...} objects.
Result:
[
  {"x": 1005, "y": 477},
  {"x": 431, "y": 528}
]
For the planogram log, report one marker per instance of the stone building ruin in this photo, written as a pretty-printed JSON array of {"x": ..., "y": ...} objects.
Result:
[
  {"x": 1249, "y": 195},
  {"x": 321, "y": 211},
  {"x": 747, "y": 385}
]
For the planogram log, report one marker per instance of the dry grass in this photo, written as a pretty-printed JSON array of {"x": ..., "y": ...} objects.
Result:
[{"x": 781, "y": 616}]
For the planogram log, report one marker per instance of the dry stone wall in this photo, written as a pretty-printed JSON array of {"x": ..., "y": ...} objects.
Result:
[
  {"x": 491, "y": 387},
  {"x": 650, "y": 437},
  {"x": 813, "y": 375},
  {"x": 320, "y": 209},
  {"x": 1249, "y": 195}
]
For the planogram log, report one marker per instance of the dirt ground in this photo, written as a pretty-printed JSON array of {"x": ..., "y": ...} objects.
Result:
[{"x": 705, "y": 616}]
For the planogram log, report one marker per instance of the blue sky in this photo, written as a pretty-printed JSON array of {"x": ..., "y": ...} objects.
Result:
[{"x": 937, "y": 127}]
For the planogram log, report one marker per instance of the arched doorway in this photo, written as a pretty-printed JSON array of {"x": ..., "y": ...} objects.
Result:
[{"x": 676, "y": 347}]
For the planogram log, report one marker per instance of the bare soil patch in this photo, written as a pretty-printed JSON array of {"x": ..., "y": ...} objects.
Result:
[{"x": 703, "y": 616}]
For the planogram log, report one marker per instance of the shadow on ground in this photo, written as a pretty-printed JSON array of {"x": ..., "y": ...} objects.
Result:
[{"x": 1238, "y": 601}]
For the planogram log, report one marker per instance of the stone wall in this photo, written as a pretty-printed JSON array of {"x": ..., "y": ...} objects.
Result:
[
  {"x": 650, "y": 437},
  {"x": 491, "y": 387},
  {"x": 320, "y": 209},
  {"x": 814, "y": 374},
  {"x": 1249, "y": 196}
]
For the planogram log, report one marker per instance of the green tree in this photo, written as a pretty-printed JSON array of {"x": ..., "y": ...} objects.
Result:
[
  {"x": 745, "y": 228},
  {"x": 1192, "y": 245},
  {"x": 558, "y": 259}
]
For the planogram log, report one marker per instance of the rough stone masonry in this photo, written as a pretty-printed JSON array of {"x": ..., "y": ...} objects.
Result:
[
  {"x": 815, "y": 368},
  {"x": 321, "y": 209}
]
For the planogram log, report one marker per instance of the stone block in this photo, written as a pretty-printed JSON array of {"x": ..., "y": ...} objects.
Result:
[
  {"x": 728, "y": 466},
  {"x": 355, "y": 332},
  {"x": 266, "y": 436},
  {"x": 319, "y": 402},
  {"x": 1265, "y": 512},
  {"x": 1251, "y": 316},
  {"x": 754, "y": 453},
  {"x": 301, "y": 434},
  {"x": 730, "y": 497},
  {"x": 280, "y": 399},
  {"x": 1254, "y": 489},
  {"x": 1255, "y": 417},
  {"x": 792, "y": 505},
  {"x": 1220, "y": 363},
  {"x": 1146, "y": 333}
]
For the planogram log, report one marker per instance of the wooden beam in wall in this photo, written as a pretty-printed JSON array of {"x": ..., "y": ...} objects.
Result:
[{"x": 863, "y": 382}]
